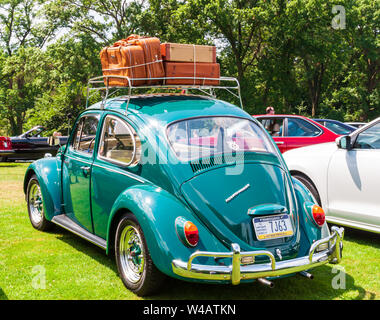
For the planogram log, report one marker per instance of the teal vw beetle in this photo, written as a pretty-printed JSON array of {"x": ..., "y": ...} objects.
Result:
[{"x": 181, "y": 185}]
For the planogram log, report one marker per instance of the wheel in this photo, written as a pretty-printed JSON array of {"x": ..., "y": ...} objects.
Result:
[
  {"x": 35, "y": 206},
  {"x": 309, "y": 185},
  {"x": 135, "y": 266}
]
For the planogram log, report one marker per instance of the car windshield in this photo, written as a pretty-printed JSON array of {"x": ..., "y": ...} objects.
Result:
[{"x": 204, "y": 137}]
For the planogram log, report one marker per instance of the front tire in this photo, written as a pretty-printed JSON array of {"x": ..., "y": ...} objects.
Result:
[
  {"x": 134, "y": 263},
  {"x": 35, "y": 206}
]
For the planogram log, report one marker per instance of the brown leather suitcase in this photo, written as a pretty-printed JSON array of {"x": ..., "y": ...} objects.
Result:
[
  {"x": 188, "y": 53},
  {"x": 188, "y": 69},
  {"x": 123, "y": 60},
  {"x": 152, "y": 55}
]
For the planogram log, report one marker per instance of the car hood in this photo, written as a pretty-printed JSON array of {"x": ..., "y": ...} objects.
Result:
[{"x": 227, "y": 203}]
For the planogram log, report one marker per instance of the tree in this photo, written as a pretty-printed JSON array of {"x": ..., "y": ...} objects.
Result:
[{"x": 24, "y": 31}]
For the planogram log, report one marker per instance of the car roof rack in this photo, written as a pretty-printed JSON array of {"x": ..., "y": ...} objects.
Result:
[{"x": 101, "y": 84}]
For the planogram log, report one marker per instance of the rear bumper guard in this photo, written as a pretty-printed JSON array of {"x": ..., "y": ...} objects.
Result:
[{"x": 237, "y": 271}]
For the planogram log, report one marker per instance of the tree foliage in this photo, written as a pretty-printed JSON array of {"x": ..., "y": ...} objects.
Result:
[{"x": 285, "y": 53}]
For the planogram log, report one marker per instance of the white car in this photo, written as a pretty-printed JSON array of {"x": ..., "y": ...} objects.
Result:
[{"x": 344, "y": 176}]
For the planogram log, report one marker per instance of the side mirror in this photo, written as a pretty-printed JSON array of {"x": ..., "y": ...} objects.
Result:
[{"x": 344, "y": 142}]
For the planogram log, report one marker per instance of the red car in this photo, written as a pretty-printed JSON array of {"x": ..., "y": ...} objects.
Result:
[
  {"x": 5, "y": 148},
  {"x": 291, "y": 131}
]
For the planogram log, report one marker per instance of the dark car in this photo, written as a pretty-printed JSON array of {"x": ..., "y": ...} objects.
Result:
[
  {"x": 336, "y": 126},
  {"x": 32, "y": 145}
]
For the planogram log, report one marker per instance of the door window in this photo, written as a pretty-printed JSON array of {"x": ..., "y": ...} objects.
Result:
[
  {"x": 119, "y": 142},
  {"x": 302, "y": 128},
  {"x": 85, "y": 134},
  {"x": 274, "y": 126},
  {"x": 369, "y": 138}
]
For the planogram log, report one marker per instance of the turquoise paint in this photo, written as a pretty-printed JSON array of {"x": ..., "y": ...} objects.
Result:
[
  {"x": 48, "y": 172},
  {"x": 156, "y": 211}
]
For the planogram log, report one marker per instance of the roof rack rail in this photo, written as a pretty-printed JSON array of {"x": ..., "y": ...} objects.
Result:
[{"x": 101, "y": 84}]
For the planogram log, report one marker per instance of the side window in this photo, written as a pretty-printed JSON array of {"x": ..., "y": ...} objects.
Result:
[
  {"x": 274, "y": 126},
  {"x": 119, "y": 142},
  {"x": 369, "y": 138},
  {"x": 85, "y": 134},
  {"x": 302, "y": 128}
]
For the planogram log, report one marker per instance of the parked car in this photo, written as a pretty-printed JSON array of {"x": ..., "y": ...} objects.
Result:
[
  {"x": 356, "y": 124},
  {"x": 292, "y": 131},
  {"x": 32, "y": 145},
  {"x": 344, "y": 176},
  {"x": 336, "y": 126},
  {"x": 185, "y": 186},
  {"x": 5, "y": 148}
]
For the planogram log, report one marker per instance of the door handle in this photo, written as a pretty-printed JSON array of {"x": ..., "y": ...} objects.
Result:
[
  {"x": 85, "y": 170},
  {"x": 279, "y": 142}
]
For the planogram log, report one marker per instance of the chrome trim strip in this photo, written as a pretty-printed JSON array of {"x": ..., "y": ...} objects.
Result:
[
  {"x": 130, "y": 175},
  {"x": 78, "y": 159},
  {"x": 98, "y": 242},
  {"x": 236, "y": 272},
  {"x": 231, "y": 197}
]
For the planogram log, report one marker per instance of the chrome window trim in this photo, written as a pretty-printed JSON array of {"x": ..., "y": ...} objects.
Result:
[
  {"x": 253, "y": 120},
  {"x": 74, "y": 148},
  {"x": 130, "y": 130}
]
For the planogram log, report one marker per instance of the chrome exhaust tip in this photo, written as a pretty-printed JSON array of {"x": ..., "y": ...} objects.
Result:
[
  {"x": 266, "y": 282},
  {"x": 307, "y": 275}
]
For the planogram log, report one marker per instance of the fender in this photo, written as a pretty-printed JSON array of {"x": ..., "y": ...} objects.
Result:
[
  {"x": 48, "y": 172},
  {"x": 308, "y": 228},
  {"x": 156, "y": 211}
]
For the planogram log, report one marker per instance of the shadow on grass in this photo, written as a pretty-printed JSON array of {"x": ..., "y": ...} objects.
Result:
[
  {"x": 82, "y": 245},
  {"x": 362, "y": 237},
  {"x": 3, "y": 296},
  {"x": 291, "y": 288}
]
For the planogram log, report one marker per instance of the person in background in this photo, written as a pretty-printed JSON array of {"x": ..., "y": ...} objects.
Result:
[{"x": 270, "y": 110}]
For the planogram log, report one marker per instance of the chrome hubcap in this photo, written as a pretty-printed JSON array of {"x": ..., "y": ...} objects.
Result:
[
  {"x": 131, "y": 254},
  {"x": 35, "y": 203}
]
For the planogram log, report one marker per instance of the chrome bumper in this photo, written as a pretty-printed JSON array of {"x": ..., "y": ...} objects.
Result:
[{"x": 237, "y": 271}]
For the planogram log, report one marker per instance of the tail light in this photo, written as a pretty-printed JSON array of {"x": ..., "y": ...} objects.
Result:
[
  {"x": 318, "y": 215},
  {"x": 191, "y": 233},
  {"x": 187, "y": 231}
]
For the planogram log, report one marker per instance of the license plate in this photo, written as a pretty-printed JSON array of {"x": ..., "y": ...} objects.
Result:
[{"x": 272, "y": 227}]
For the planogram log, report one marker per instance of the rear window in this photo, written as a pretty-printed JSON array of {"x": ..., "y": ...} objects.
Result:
[{"x": 207, "y": 136}]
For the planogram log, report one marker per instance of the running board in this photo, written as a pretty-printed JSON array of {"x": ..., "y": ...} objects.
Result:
[{"x": 65, "y": 222}]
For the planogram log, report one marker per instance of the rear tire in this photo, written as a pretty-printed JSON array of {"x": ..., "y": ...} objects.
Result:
[
  {"x": 35, "y": 205},
  {"x": 310, "y": 186},
  {"x": 134, "y": 263}
]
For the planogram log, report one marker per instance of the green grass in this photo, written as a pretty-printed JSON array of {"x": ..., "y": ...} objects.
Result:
[{"x": 76, "y": 269}]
